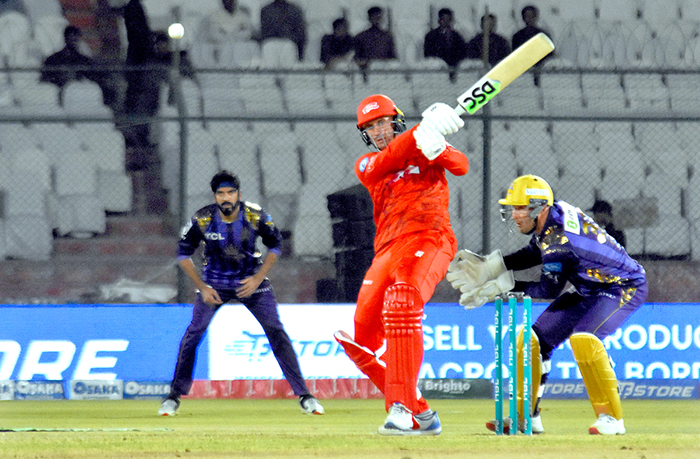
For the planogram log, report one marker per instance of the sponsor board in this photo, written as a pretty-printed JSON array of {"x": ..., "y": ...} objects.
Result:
[
  {"x": 96, "y": 390},
  {"x": 660, "y": 341},
  {"x": 39, "y": 390},
  {"x": 455, "y": 388},
  {"x": 661, "y": 389},
  {"x": 146, "y": 389},
  {"x": 7, "y": 390}
]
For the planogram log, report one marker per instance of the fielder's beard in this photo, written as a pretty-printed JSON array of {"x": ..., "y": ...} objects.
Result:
[{"x": 227, "y": 208}]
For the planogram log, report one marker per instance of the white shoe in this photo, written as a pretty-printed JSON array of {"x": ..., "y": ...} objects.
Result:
[
  {"x": 536, "y": 422},
  {"x": 169, "y": 407},
  {"x": 309, "y": 405},
  {"x": 607, "y": 425},
  {"x": 428, "y": 423},
  {"x": 398, "y": 422}
]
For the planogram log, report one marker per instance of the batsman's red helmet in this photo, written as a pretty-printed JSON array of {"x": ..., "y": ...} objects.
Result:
[{"x": 376, "y": 106}]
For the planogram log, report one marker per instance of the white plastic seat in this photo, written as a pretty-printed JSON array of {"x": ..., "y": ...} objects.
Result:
[
  {"x": 603, "y": 92},
  {"x": 561, "y": 92},
  {"x": 261, "y": 94},
  {"x": 682, "y": 100},
  {"x": 28, "y": 237},
  {"x": 80, "y": 215},
  {"x": 646, "y": 92},
  {"x": 278, "y": 53},
  {"x": 304, "y": 94},
  {"x": 671, "y": 238},
  {"x": 674, "y": 42},
  {"x": 577, "y": 190},
  {"x": 48, "y": 33},
  {"x": 280, "y": 162},
  {"x": 433, "y": 86},
  {"x": 84, "y": 98},
  {"x": 325, "y": 163},
  {"x": 339, "y": 93},
  {"x": 312, "y": 234},
  {"x": 237, "y": 149},
  {"x": 201, "y": 160},
  {"x": 666, "y": 189},
  {"x": 521, "y": 96},
  {"x": 15, "y": 40},
  {"x": 115, "y": 190},
  {"x": 76, "y": 173}
]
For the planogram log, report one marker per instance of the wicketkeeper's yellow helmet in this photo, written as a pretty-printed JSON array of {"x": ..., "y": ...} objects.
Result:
[{"x": 528, "y": 190}]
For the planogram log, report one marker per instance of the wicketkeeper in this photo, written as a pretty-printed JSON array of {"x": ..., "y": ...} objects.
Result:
[{"x": 607, "y": 286}]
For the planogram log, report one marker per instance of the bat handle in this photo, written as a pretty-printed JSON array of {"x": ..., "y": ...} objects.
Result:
[{"x": 459, "y": 110}]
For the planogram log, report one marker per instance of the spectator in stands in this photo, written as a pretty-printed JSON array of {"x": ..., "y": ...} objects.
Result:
[
  {"x": 12, "y": 5},
  {"x": 498, "y": 46},
  {"x": 530, "y": 15},
  {"x": 337, "y": 46},
  {"x": 69, "y": 64},
  {"x": 374, "y": 43},
  {"x": 150, "y": 51},
  {"x": 603, "y": 215},
  {"x": 232, "y": 23},
  {"x": 444, "y": 41},
  {"x": 283, "y": 19},
  {"x": 149, "y": 59}
]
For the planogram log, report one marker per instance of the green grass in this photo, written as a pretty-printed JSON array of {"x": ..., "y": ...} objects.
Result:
[{"x": 277, "y": 429}]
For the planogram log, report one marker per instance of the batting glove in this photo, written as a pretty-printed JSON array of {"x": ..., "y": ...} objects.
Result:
[
  {"x": 429, "y": 140},
  {"x": 488, "y": 292},
  {"x": 443, "y": 117}
]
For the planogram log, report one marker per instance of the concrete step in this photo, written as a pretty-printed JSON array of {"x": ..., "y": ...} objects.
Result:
[
  {"x": 126, "y": 225},
  {"x": 77, "y": 278},
  {"x": 117, "y": 246}
]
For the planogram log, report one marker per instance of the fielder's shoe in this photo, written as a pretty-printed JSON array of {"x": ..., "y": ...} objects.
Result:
[
  {"x": 169, "y": 407},
  {"x": 536, "y": 421},
  {"x": 310, "y": 405},
  {"x": 607, "y": 425}
]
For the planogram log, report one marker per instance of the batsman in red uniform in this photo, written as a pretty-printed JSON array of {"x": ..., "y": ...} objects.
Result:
[{"x": 414, "y": 246}]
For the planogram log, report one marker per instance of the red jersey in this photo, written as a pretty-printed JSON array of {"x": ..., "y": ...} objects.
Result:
[{"x": 409, "y": 192}]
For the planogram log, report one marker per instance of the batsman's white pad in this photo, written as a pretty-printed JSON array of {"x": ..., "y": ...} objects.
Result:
[
  {"x": 598, "y": 375},
  {"x": 488, "y": 292},
  {"x": 430, "y": 142},
  {"x": 443, "y": 117},
  {"x": 468, "y": 270}
]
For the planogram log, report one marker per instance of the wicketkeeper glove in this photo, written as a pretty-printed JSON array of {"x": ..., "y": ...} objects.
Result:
[
  {"x": 488, "y": 292},
  {"x": 429, "y": 140},
  {"x": 469, "y": 270},
  {"x": 443, "y": 117}
]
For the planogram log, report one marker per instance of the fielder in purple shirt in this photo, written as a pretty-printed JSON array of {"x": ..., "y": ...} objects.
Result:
[
  {"x": 233, "y": 270},
  {"x": 606, "y": 286}
]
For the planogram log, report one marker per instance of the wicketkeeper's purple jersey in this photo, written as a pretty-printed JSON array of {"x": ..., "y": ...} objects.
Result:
[{"x": 572, "y": 247}]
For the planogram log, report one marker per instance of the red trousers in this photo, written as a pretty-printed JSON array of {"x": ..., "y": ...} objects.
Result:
[{"x": 419, "y": 260}]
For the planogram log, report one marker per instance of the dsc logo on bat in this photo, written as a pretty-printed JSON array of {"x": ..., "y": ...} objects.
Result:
[{"x": 478, "y": 95}]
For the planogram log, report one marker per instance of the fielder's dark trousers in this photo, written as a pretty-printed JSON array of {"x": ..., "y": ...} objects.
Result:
[{"x": 263, "y": 305}]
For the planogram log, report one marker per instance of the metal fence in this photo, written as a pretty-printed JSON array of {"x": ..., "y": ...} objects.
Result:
[{"x": 628, "y": 137}]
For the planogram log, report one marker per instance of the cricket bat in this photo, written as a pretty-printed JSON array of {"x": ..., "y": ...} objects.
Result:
[{"x": 503, "y": 74}]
